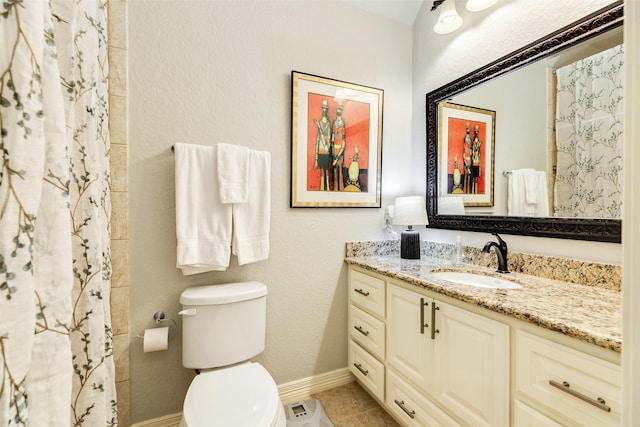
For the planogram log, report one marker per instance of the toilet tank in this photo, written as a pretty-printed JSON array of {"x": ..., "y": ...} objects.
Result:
[{"x": 222, "y": 324}]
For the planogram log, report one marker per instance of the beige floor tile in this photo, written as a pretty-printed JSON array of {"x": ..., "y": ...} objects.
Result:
[{"x": 350, "y": 406}]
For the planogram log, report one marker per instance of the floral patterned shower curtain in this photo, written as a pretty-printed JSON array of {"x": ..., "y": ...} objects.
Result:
[
  {"x": 56, "y": 361},
  {"x": 589, "y": 125}
]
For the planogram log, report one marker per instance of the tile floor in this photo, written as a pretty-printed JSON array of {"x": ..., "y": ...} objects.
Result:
[{"x": 350, "y": 406}]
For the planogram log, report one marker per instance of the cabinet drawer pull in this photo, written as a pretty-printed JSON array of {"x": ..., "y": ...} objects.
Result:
[
  {"x": 599, "y": 403},
  {"x": 422, "y": 324},
  {"x": 361, "y": 292},
  {"x": 359, "y": 368},
  {"x": 362, "y": 331},
  {"x": 434, "y": 331},
  {"x": 400, "y": 403}
]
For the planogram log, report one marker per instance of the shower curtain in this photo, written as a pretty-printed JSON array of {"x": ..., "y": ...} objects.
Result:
[
  {"x": 589, "y": 125},
  {"x": 56, "y": 361}
]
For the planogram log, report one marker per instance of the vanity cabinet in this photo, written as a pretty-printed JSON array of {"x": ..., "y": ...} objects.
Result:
[
  {"x": 454, "y": 357},
  {"x": 433, "y": 360}
]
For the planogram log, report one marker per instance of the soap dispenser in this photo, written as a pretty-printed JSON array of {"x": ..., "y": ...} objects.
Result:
[{"x": 458, "y": 255}]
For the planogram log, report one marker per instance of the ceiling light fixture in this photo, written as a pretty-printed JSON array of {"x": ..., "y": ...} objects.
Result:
[{"x": 449, "y": 20}]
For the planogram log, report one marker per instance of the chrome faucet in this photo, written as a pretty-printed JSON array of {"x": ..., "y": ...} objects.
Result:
[{"x": 501, "y": 252}]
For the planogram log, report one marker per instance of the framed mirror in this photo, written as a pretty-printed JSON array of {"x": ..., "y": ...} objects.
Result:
[{"x": 492, "y": 215}]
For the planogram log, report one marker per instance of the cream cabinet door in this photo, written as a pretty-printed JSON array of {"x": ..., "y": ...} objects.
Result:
[
  {"x": 471, "y": 366},
  {"x": 409, "y": 345}
]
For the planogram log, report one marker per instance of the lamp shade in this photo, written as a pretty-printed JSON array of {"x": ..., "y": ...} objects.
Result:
[
  {"x": 410, "y": 211},
  {"x": 449, "y": 20}
]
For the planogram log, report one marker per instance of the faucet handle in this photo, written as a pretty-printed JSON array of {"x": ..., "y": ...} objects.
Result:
[{"x": 502, "y": 242}]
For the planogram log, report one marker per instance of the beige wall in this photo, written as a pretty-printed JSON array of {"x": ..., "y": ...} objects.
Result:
[
  {"x": 119, "y": 197},
  {"x": 204, "y": 72}
]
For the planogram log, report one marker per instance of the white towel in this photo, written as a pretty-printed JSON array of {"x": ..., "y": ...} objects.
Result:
[
  {"x": 203, "y": 224},
  {"x": 530, "y": 177},
  {"x": 233, "y": 173},
  {"x": 522, "y": 182},
  {"x": 251, "y": 220}
]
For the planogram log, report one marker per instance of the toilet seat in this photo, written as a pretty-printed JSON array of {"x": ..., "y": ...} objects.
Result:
[{"x": 239, "y": 396}]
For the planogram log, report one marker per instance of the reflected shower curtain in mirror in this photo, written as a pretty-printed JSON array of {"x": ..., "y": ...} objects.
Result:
[
  {"x": 56, "y": 361},
  {"x": 589, "y": 125}
]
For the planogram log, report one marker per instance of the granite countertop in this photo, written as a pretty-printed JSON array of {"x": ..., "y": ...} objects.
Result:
[{"x": 588, "y": 313}]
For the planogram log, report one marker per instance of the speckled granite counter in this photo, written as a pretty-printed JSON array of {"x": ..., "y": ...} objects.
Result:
[{"x": 588, "y": 313}]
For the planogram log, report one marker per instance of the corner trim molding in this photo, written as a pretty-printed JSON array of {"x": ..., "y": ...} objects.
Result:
[{"x": 288, "y": 392}]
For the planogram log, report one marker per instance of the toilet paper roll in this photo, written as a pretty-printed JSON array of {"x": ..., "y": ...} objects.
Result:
[{"x": 156, "y": 339}]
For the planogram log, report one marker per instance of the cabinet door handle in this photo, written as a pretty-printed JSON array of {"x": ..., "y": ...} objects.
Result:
[
  {"x": 361, "y": 292},
  {"x": 434, "y": 331},
  {"x": 422, "y": 324},
  {"x": 400, "y": 403},
  {"x": 362, "y": 331},
  {"x": 359, "y": 368},
  {"x": 599, "y": 403}
]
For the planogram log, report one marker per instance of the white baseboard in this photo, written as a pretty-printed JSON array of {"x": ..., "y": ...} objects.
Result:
[
  {"x": 300, "y": 388},
  {"x": 288, "y": 392},
  {"x": 172, "y": 420}
]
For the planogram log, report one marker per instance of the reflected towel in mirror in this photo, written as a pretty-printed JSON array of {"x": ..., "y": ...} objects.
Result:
[{"x": 526, "y": 185}]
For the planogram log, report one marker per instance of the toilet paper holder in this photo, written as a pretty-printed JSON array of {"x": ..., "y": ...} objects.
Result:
[{"x": 158, "y": 318}]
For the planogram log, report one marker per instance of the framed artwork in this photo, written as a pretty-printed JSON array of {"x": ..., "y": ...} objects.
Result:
[
  {"x": 466, "y": 153},
  {"x": 336, "y": 143}
]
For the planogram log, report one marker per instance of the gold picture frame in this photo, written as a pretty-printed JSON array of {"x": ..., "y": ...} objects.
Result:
[
  {"x": 466, "y": 149},
  {"x": 336, "y": 143}
]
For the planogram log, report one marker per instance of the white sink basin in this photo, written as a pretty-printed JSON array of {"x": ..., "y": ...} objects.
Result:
[{"x": 478, "y": 280}]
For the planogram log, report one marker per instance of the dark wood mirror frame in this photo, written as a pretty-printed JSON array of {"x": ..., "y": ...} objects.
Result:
[{"x": 604, "y": 230}]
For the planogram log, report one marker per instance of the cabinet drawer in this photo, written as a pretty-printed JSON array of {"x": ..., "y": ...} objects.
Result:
[
  {"x": 526, "y": 416},
  {"x": 411, "y": 407},
  {"x": 367, "y": 292},
  {"x": 368, "y": 370},
  {"x": 367, "y": 331},
  {"x": 578, "y": 386}
]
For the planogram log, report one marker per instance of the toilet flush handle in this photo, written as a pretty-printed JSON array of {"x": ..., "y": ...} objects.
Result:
[{"x": 188, "y": 312}]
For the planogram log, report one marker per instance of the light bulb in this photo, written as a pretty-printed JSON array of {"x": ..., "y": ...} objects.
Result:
[{"x": 478, "y": 5}]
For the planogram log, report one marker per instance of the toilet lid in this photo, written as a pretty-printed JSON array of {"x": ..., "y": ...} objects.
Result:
[{"x": 240, "y": 396}]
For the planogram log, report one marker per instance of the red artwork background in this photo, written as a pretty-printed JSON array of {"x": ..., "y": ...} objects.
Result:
[
  {"x": 356, "y": 115},
  {"x": 455, "y": 146}
]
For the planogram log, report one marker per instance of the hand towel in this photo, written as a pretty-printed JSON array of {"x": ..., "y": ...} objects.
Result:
[
  {"x": 530, "y": 177},
  {"x": 543, "y": 194},
  {"x": 516, "y": 202},
  {"x": 233, "y": 173},
  {"x": 252, "y": 220},
  {"x": 203, "y": 224},
  {"x": 521, "y": 182}
]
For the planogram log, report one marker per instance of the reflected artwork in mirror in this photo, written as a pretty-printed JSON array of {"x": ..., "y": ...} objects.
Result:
[{"x": 564, "y": 209}]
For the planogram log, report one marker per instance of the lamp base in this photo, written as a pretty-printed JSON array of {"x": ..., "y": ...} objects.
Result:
[{"x": 410, "y": 244}]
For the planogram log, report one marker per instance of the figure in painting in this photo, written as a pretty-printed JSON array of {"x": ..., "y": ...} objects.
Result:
[
  {"x": 466, "y": 160},
  {"x": 323, "y": 147},
  {"x": 456, "y": 175},
  {"x": 353, "y": 180},
  {"x": 338, "y": 144},
  {"x": 475, "y": 161}
]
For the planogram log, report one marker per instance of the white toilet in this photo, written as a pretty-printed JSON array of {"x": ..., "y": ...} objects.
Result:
[{"x": 223, "y": 326}]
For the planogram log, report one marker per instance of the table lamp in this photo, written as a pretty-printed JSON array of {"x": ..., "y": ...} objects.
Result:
[{"x": 410, "y": 211}]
